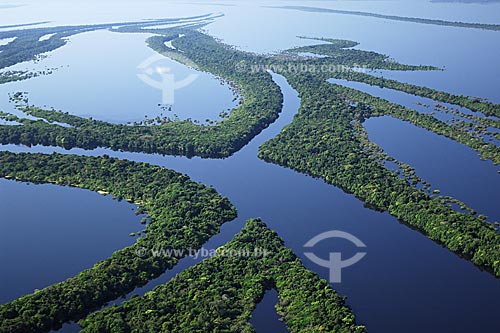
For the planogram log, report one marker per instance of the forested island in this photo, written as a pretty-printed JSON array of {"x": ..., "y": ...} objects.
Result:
[
  {"x": 261, "y": 104},
  {"x": 183, "y": 215},
  {"x": 322, "y": 142},
  {"x": 494, "y": 27},
  {"x": 220, "y": 293}
]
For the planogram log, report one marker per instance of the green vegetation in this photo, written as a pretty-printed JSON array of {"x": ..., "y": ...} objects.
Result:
[
  {"x": 475, "y": 135},
  {"x": 369, "y": 106},
  {"x": 484, "y": 26},
  {"x": 474, "y": 104},
  {"x": 260, "y": 105},
  {"x": 262, "y": 101},
  {"x": 322, "y": 142},
  {"x": 12, "y": 76},
  {"x": 183, "y": 215},
  {"x": 340, "y": 52},
  {"x": 480, "y": 127},
  {"x": 28, "y": 46},
  {"x": 219, "y": 294}
]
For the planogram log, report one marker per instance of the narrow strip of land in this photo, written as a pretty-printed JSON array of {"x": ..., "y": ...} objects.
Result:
[
  {"x": 183, "y": 215},
  {"x": 495, "y": 27},
  {"x": 219, "y": 294}
]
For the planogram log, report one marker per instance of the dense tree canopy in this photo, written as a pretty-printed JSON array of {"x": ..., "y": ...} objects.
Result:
[
  {"x": 183, "y": 215},
  {"x": 219, "y": 294},
  {"x": 322, "y": 142}
]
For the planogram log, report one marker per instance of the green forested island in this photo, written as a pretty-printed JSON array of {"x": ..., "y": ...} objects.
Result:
[
  {"x": 261, "y": 105},
  {"x": 182, "y": 213},
  {"x": 322, "y": 142},
  {"x": 219, "y": 294}
]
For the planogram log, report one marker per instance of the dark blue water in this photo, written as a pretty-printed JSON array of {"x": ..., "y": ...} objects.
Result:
[
  {"x": 456, "y": 170},
  {"x": 405, "y": 280},
  {"x": 49, "y": 233},
  {"x": 420, "y": 104},
  {"x": 265, "y": 318}
]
